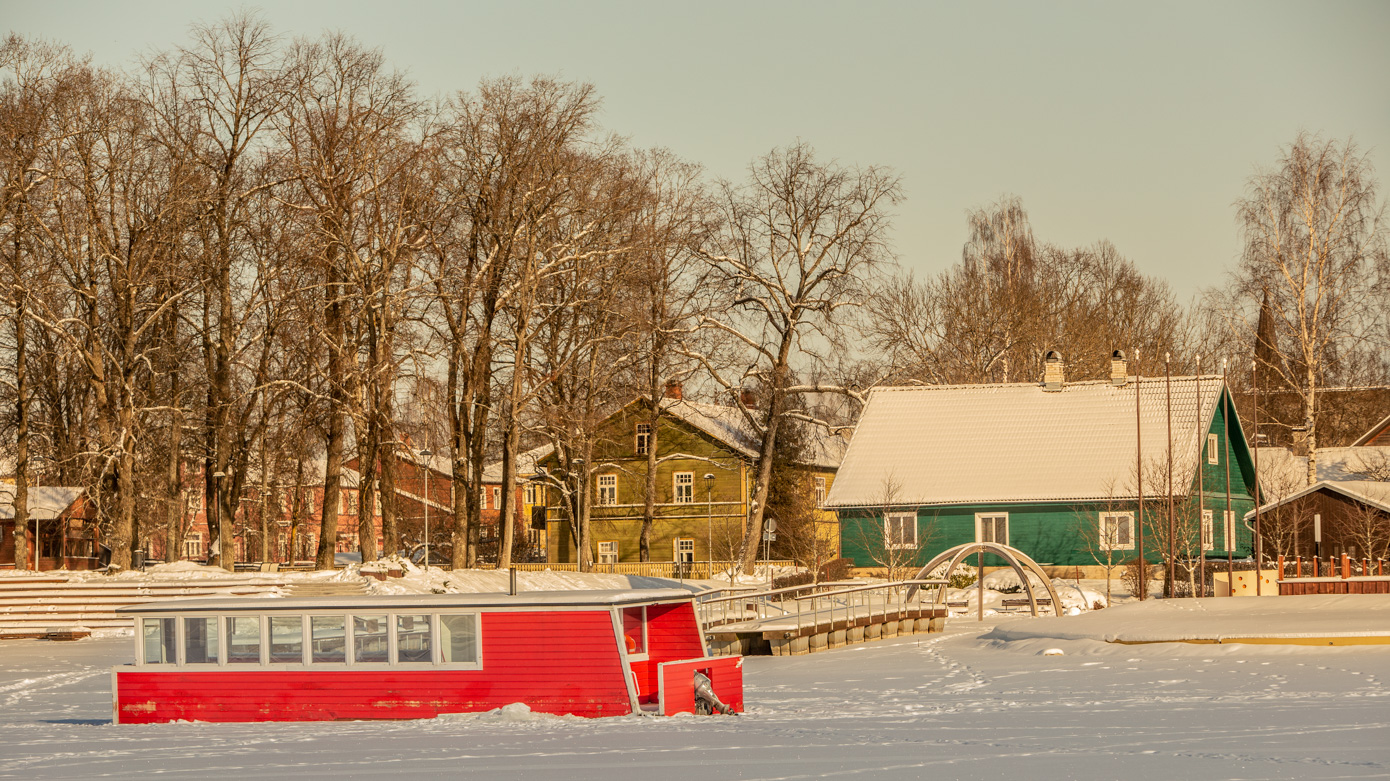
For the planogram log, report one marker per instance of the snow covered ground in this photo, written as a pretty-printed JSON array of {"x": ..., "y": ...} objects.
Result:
[{"x": 946, "y": 706}]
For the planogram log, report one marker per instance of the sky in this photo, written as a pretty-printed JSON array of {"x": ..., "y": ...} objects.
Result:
[{"x": 1136, "y": 123}]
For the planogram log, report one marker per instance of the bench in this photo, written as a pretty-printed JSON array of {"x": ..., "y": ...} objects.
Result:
[{"x": 1024, "y": 603}]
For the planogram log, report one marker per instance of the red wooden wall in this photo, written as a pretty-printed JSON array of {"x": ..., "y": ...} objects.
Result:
[
  {"x": 672, "y": 633},
  {"x": 561, "y": 662}
]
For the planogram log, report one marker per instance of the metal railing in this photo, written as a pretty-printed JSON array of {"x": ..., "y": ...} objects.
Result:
[{"x": 841, "y": 600}]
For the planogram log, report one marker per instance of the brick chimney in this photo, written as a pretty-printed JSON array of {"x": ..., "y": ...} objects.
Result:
[
  {"x": 1119, "y": 369},
  {"x": 748, "y": 398},
  {"x": 674, "y": 390},
  {"x": 1054, "y": 373}
]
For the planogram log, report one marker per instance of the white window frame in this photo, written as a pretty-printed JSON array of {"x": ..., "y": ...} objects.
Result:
[
  {"x": 1228, "y": 530},
  {"x": 193, "y": 545},
  {"x": 909, "y": 520},
  {"x": 497, "y": 497},
  {"x": 1213, "y": 449},
  {"x": 979, "y": 526},
  {"x": 1208, "y": 530},
  {"x": 528, "y": 494},
  {"x": 607, "y": 486},
  {"x": 819, "y": 483},
  {"x": 1105, "y": 538},
  {"x": 683, "y": 545},
  {"x": 642, "y": 439},
  {"x": 306, "y": 634},
  {"x": 644, "y": 654},
  {"x": 684, "y": 480},
  {"x": 607, "y": 551}
]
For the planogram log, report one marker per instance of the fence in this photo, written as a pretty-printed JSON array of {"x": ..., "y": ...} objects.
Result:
[{"x": 679, "y": 570}]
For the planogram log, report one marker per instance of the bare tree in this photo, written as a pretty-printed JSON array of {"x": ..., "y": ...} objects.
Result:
[
  {"x": 1314, "y": 236},
  {"x": 796, "y": 248}
]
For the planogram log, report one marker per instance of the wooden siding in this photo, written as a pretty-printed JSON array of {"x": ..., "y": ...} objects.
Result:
[
  {"x": 560, "y": 662},
  {"x": 672, "y": 634}
]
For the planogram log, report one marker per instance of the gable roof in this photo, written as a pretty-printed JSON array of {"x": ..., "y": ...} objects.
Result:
[
  {"x": 45, "y": 501},
  {"x": 823, "y": 447},
  {"x": 1368, "y": 492},
  {"x": 1375, "y": 431},
  {"x": 1282, "y": 472},
  {"x": 962, "y": 444}
]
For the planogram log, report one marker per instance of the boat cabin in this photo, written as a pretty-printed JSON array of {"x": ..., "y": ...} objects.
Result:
[{"x": 585, "y": 653}]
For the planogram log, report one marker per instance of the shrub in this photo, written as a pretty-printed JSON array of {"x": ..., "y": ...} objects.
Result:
[
  {"x": 836, "y": 569},
  {"x": 962, "y": 580}
]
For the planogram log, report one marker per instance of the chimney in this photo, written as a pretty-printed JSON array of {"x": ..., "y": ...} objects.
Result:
[
  {"x": 1054, "y": 374},
  {"x": 1119, "y": 369},
  {"x": 748, "y": 398},
  {"x": 674, "y": 390}
]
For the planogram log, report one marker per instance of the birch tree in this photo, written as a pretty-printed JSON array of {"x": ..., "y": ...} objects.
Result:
[{"x": 1314, "y": 239}]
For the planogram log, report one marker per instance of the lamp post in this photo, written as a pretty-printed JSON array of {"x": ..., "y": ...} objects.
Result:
[
  {"x": 426, "y": 454},
  {"x": 223, "y": 538},
  {"x": 709, "y": 519}
]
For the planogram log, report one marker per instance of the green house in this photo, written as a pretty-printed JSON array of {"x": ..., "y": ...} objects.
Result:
[
  {"x": 705, "y": 455},
  {"x": 1049, "y": 469}
]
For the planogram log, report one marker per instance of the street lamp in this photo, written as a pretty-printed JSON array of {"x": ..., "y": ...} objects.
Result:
[
  {"x": 426, "y": 453},
  {"x": 709, "y": 520},
  {"x": 223, "y": 540}
]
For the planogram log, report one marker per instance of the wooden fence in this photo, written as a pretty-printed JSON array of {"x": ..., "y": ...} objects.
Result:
[
  {"x": 693, "y": 570},
  {"x": 1347, "y": 576}
]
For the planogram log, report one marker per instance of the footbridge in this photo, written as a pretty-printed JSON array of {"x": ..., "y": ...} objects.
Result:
[{"x": 816, "y": 617}]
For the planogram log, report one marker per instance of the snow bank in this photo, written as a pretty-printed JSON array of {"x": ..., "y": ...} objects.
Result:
[{"x": 1212, "y": 619}]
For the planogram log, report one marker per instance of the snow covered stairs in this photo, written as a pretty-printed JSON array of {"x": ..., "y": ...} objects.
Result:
[
  {"x": 327, "y": 588},
  {"x": 59, "y": 607}
]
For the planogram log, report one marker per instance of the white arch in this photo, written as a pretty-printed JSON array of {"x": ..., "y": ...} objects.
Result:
[{"x": 1017, "y": 559}]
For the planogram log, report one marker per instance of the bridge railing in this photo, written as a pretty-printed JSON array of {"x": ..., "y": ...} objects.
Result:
[{"x": 824, "y": 602}]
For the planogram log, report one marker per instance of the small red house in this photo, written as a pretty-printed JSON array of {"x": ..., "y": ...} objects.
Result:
[
  {"x": 585, "y": 653},
  {"x": 61, "y": 530}
]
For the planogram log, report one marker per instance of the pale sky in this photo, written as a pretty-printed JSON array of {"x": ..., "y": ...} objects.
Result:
[{"x": 1137, "y": 123}]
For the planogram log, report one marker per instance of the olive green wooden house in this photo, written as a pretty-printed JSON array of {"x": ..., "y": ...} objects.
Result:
[
  {"x": 705, "y": 455},
  {"x": 1046, "y": 468}
]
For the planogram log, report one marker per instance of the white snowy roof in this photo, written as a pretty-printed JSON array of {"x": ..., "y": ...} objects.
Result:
[
  {"x": 959, "y": 444},
  {"x": 526, "y": 464},
  {"x": 45, "y": 501},
  {"x": 824, "y": 448},
  {"x": 1280, "y": 468},
  {"x": 1370, "y": 492}
]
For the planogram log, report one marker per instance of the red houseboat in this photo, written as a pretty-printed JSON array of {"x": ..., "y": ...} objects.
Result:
[{"x": 586, "y": 653}]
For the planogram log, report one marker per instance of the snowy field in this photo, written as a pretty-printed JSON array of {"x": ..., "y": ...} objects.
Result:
[{"x": 953, "y": 705}]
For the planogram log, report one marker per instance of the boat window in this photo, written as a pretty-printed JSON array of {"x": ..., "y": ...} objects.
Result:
[
  {"x": 413, "y": 641},
  {"x": 200, "y": 641},
  {"x": 160, "y": 645},
  {"x": 329, "y": 637},
  {"x": 369, "y": 639},
  {"x": 635, "y": 630},
  {"x": 244, "y": 640},
  {"x": 287, "y": 640},
  {"x": 458, "y": 638}
]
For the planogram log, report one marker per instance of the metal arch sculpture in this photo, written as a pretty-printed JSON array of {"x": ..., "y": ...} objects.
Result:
[{"x": 1017, "y": 559}]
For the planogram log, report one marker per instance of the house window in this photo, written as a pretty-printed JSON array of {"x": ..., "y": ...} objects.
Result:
[
  {"x": 482, "y": 498},
  {"x": 193, "y": 545},
  {"x": 349, "y": 503},
  {"x": 309, "y": 502},
  {"x": 1230, "y": 529},
  {"x": 685, "y": 487},
  {"x": 820, "y": 491},
  {"x": 1213, "y": 448},
  {"x": 608, "y": 552},
  {"x": 992, "y": 527},
  {"x": 1207, "y": 542},
  {"x": 1117, "y": 531},
  {"x": 644, "y": 439},
  {"x": 528, "y": 494},
  {"x": 685, "y": 550},
  {"x": 497, "y": 498},
  {"x": 607, "y": 489},
  {"x": 900, "y": 530},
  {"x": 635, "y": 632}
]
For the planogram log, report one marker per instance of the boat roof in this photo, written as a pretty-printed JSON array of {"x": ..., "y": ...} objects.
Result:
[{"x": 396, "y": 602}]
